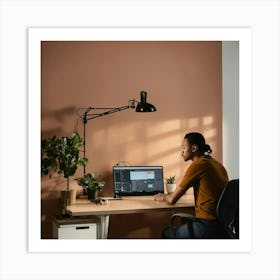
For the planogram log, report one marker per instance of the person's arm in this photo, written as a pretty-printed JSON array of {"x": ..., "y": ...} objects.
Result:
[
  {"x": 173, "y": 197},
  {"x": 170, "y": 198},
  {"x": 191, "y": 176}
]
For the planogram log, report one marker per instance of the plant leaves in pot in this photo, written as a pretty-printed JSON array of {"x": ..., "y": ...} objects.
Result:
[
  {"x": 170, "y": 184},
  {"x": 92, "y": 184},
  {"x": 62, "y": 155}
]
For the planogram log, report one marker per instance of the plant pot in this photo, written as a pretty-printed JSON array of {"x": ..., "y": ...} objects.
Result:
[
  {"x": 170, "y": 188},
  {"x": 92, "y": 194},
  {"x": 72, "y": 197},
  {"x": 85, "y": 191},
  {"x": 68, "y": 197}
]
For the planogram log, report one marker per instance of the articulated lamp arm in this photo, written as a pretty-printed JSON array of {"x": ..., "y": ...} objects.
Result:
[
  {"x": 86, "y": 116},
  {"x": 142, "y": 106}
]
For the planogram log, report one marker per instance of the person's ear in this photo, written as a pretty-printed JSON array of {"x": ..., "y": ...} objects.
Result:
[{"x": 194, "y": 148}]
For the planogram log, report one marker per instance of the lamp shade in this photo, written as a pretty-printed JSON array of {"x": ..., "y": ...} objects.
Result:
[{"x": 143, "y": 106}]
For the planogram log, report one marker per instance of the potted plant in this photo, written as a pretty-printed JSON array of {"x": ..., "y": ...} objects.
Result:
[
  {"x": 170, "y": 184},
  {"x": 62, "y": 155},
  {"x": 91, "y": 183}
]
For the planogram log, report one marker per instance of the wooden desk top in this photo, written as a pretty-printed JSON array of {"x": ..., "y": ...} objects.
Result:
[{"x": 129, "y": 204}]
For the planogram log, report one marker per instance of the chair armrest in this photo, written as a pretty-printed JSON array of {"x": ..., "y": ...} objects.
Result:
[{"x": 184, "y": 218}]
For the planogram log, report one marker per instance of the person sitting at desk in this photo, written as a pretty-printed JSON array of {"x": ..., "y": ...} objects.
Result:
[{"x": 208, "y": 178}]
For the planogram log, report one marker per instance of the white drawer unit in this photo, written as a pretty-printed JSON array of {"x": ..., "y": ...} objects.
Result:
[
  {"x": 77, "y": 231},
  {"x": 76, "y": 228}
]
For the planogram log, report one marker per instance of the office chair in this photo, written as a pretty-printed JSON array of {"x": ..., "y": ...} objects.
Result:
[{"x": 227, "y": 214}]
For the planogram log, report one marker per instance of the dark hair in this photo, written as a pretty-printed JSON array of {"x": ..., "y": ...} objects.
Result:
[{"x": 195, "y": 138}]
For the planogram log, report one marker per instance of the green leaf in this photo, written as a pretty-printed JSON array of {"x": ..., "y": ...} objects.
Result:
[{"x": 62, "y": 155}]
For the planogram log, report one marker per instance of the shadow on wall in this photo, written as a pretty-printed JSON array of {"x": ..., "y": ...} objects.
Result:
[
  {"x": 145, "y": 142},
  {"x": 59, "y": 122}
]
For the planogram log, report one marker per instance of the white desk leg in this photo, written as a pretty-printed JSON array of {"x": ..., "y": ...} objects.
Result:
[{"x": 104, "y": 226}]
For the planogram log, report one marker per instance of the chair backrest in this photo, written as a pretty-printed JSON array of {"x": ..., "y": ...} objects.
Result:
[{"x": 228, "y": 208}]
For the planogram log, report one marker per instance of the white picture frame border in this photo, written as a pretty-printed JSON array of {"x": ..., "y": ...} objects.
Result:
[{"x": 38, "y": 34}]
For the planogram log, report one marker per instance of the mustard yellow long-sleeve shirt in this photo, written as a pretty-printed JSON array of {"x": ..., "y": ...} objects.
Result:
[{"x": 208, "y": 177}]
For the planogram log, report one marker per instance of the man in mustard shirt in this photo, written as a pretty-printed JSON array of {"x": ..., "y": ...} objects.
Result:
[{"x": 208, "y": 178}]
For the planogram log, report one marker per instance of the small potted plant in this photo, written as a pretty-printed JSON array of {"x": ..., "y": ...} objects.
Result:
[
  {"x": 91, "y": 184},
  {"x": 170, "y": 184},
  {"x": 62, "y": 155}
]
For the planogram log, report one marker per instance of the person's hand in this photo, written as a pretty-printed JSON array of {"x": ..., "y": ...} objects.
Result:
[{"x": 159, "y": 197}]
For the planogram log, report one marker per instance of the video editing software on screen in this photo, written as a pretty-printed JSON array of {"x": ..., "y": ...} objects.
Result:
[{"x": 138, "y": 180}]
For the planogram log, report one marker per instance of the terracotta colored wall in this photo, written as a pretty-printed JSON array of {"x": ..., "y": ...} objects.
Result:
[{"x": 183, "y": 81}]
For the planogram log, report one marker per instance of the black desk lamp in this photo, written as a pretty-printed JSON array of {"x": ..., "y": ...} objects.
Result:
[{"x": 142, "y": 107}]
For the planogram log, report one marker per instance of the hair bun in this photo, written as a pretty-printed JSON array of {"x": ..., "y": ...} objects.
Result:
[{"x": 207, "y": 149}]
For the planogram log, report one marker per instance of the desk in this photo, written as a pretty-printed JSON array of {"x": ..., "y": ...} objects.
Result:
[{"x": 128, "y": 205}]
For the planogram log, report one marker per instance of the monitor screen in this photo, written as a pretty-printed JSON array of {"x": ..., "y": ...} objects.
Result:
[{"x": 138, "y": 180}]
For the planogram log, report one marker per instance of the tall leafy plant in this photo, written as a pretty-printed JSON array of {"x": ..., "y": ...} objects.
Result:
[{"x": 62, "y": 155}]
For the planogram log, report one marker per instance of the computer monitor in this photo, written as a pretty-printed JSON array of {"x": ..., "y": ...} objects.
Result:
[{"x": 138, "y": 180}]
